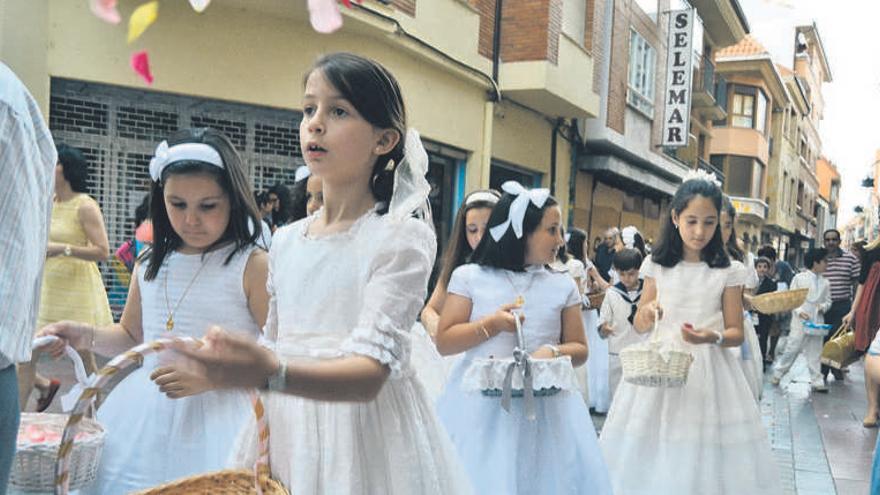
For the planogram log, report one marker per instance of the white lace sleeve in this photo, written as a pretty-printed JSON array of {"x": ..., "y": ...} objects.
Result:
[{"x": 394, "y": 293}]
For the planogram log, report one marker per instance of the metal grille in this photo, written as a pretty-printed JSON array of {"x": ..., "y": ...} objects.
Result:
[{"x": 118, "y": 128}]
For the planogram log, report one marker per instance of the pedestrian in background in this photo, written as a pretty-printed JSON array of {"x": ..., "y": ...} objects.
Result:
[{"x": 843, "y": 276}]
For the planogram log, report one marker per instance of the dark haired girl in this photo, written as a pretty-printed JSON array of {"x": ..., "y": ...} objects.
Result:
[
  {"x": 202, "y": 270},
  {"x": 508, "y": 279},
  {"x": 701, "y": 435},
  {"x": 752, "y": 360},
  {"x": 347, "y": 413}
]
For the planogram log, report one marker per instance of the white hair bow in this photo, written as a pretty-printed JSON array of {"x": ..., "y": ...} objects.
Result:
[
  {"x": 198, "y": 152},
  {"x": 518, "y": 208}
]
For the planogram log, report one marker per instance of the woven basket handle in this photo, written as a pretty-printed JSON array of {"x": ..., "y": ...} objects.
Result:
[
  {"x": 655, "y": 334},
  {"x": 102, "y": 381}
]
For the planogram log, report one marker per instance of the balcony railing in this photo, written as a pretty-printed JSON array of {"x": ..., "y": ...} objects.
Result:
[
  {"x": 710, "y": 90},
  {"x": 712, "y": 169}
]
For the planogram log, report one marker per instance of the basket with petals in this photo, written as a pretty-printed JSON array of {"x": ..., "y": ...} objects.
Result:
[
  {"x": 779, "y": 302},
  {"x": 39, "y": 440}
]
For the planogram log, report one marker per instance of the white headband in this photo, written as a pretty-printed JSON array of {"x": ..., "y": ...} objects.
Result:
[
  {"x": 198, "y": 152},
  {"x": 518, "y": 208},
  {"x": 486, "y": 196},
  {"x": 303, "y": 172}
]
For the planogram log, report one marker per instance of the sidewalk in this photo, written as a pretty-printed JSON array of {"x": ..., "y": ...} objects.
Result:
[{"x": 818, "y": 439}]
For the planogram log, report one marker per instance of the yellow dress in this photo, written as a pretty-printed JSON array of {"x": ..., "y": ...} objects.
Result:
[{"x": 72, "y": 287}]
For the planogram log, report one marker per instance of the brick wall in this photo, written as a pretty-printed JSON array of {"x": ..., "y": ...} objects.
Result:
[{"x": 530, "y": 29}]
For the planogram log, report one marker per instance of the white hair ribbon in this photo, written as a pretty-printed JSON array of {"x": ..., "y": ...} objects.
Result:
[
  {"x": 302, "y": 172},
  {"x": 198, "y": 152},
  {"x": 518, "y": 208},
  {"x": 628, "y": 236},
  {"x": 411, "y": 189}
]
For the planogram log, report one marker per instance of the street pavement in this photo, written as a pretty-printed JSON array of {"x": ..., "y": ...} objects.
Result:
[{"x": 817, "y": 439}]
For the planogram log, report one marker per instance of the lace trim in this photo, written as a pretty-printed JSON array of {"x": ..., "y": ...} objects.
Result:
[
  {"x": 382, "y": 342},
  {"x": 348, "y": 233},
  {"x": 488, "y": 374}
]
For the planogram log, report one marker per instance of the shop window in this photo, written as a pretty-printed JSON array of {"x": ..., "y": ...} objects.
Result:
[{"x": 501, "y": 173}]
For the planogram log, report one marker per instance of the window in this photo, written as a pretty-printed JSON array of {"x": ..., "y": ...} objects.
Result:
[
  {"x": 641, "y": 74},
  {"x": 744, "y": 176},
  {"x": 743, "y": 110},
  {"x": 748, "y": 108},
  {"x": 574, "y": 19},
  {"x": 761, "y": 114}
]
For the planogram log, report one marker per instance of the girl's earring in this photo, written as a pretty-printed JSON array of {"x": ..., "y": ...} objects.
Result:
[{"x": 390, "y": 165}]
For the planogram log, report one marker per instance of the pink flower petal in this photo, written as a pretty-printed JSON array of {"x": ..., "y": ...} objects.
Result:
[
  {"x": 140, "y": 62},
  {"x": 324, "y": 15},
  {"x": 105, "y": 10}
]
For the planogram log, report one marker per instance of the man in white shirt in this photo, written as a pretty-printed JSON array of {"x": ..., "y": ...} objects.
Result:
[{"x": 27, "y": 165}]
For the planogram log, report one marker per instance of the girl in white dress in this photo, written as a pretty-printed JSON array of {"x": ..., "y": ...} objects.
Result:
[
  {"x": 550, "y": 448},
  {"x": 203, "y": 269},
  {"x": 346, "y": 412},
  {"x": 593, "y": 388},
  {"x": 751, "y": 359},
  {"x": 468, "y": 229},
  {"x": 705, "y": 436}
]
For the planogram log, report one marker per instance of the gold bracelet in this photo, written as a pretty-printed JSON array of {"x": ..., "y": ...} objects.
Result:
[{"x": 485, "y": 332}]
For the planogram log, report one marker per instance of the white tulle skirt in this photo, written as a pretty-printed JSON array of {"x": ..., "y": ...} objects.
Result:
[
  {"x": 391, "y": 445},
  {"x": 152, "y": 439},
  {"x": 505, "y": 453},
  {"x": 597, "y": 363},
  {"x": 705, "y": 437}
]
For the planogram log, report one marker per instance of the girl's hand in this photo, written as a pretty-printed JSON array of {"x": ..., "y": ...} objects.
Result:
[
  {"x": 606, "y": 330},
  {"x": 183, "y": 378},
  {"x": 503, "y": 320},
  {"x": 803, "y": 316},
  {"x": 698, "y": 336},
  {"x": 654, "y": 310},
  {"x": 747, "y": 302},
  {"x": 543, "y": 352},
  {"x": 77, "y": 335},
  {"x": 225, "y": 361}
]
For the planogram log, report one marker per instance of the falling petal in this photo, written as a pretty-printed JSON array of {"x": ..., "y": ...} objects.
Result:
[
  {"x": 105, "y": 10},
  {"x": 199, "y": 5},
  {"x": 140, "y": 62},
  {"x": 141, "y": 19},
  {"x": 324, "y": 15}
]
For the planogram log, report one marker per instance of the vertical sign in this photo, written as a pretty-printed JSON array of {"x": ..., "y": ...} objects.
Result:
[{"x": 679, "y": 72}]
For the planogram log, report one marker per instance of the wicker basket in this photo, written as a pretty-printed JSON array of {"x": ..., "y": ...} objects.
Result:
[
  {"x": 644, "y": 364},
  {"x": 33, "y": 469},
  {"x": 779, "y": 302},
  {"x": 226, "y": 482},
  {"x": 596, "y": 299}
]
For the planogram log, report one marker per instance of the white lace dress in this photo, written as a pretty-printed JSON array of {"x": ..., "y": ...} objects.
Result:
[
  {"x": 705, "y": 437},
  {"x": 354, "y": 293}
]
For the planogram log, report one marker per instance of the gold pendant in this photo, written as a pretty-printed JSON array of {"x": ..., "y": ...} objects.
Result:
[
  {"x": 520, "y": 300},
  {"x": 169, "y": 325}
]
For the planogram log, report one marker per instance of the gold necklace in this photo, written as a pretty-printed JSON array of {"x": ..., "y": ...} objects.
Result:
[
  {"x": 520, "y": 299},
  {"x": 169, "y": 323}
]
